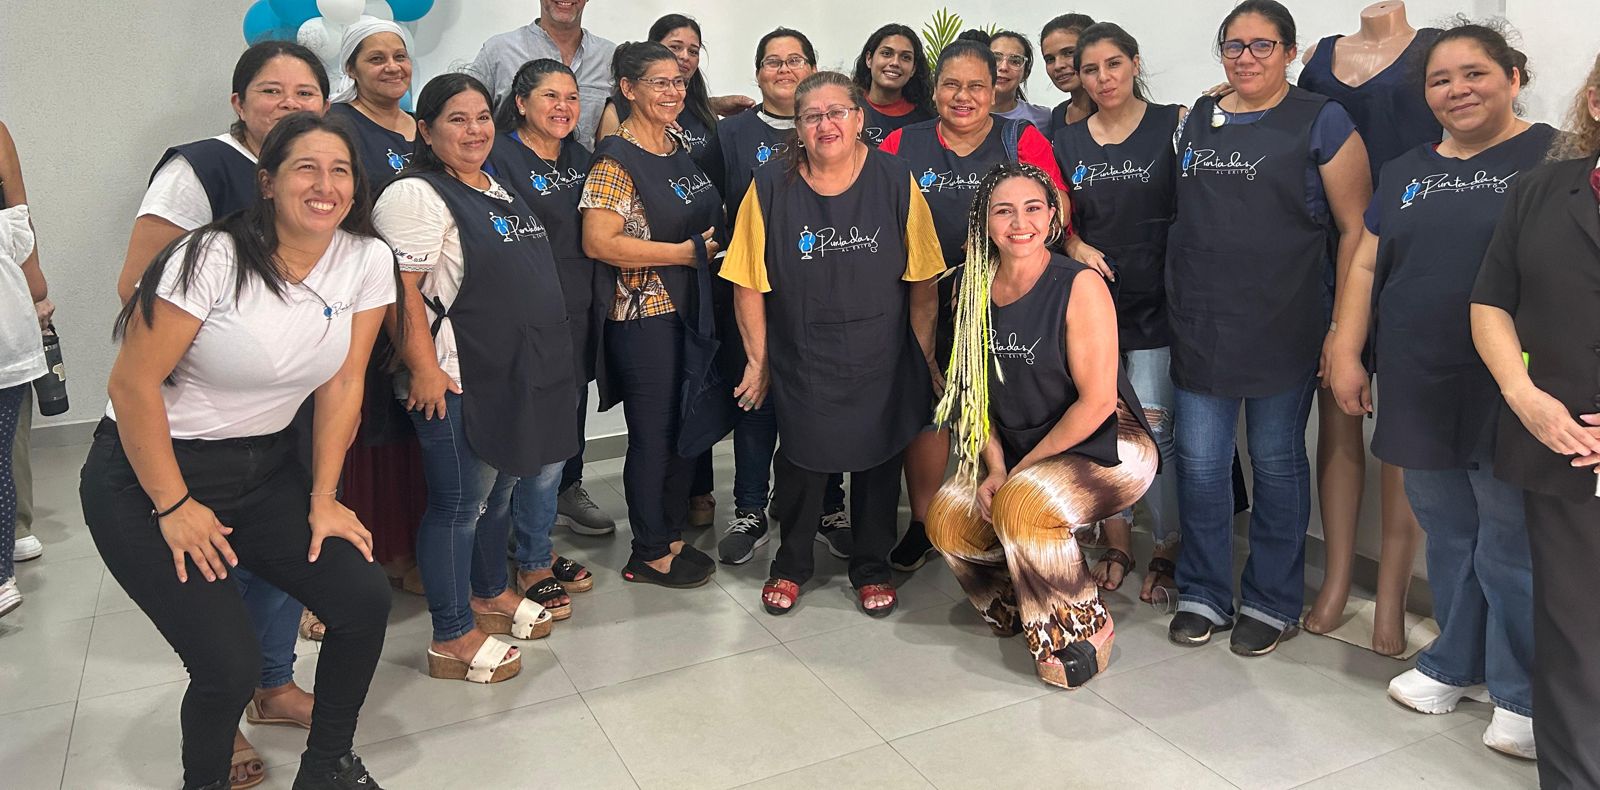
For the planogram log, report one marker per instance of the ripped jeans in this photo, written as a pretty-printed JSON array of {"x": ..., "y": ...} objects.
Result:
[{"x": 1150, "y": 372}]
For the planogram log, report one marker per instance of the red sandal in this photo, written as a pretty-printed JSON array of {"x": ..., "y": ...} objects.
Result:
[
  {"x": 783, "y": 587},
  {"x": 866, "y": 591}
]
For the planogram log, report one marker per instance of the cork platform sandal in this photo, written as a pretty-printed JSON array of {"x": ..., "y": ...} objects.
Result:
[
  {"x": 489, "y": 665},
  {"x": 530, "y": 622},
  {"x": 1074, "y": 665}
]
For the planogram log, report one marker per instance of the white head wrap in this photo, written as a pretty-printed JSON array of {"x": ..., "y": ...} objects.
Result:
[{"x": 365, "y": 27}]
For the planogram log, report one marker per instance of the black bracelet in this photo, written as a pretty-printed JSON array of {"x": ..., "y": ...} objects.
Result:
[{"x": 169, "y": 511}]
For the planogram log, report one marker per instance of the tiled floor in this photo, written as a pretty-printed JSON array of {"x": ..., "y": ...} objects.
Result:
[{"x": 653, "y": 688}]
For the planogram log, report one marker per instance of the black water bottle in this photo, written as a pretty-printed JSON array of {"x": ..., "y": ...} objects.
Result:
[{"x": 51, "y": 388}]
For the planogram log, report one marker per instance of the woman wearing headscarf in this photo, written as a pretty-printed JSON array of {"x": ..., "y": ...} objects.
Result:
[
  {"x": 195, "y": 184},
  {"x": 537, "y": 155},
  {"x": 834, "y": 258}
]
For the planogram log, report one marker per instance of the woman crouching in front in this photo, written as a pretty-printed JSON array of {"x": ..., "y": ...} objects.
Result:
[{"x": 1057, "y": 428}]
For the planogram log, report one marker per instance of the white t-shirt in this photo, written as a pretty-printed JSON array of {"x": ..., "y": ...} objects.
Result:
[
  {"x": 258, "y": 356},
  {"x": 176, "y": 195},
  {"x": 412, "y": 217},
  {"x": 21, "y": 349}
]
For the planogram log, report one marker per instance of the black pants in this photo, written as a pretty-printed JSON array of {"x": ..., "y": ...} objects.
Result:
[
  {"x": 257, "y": 487},
  {"x": 645, "y": 359},
  {"x": 797, "y": 505},
  {"x": 1565, "y": 538},
  {"x": 572, "y": 473}
]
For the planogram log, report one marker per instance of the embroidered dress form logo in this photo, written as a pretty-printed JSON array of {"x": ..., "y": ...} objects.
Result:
[
  {"x": 556, "y": 180},
  {"x": 764, "y": 152},
  {"x": 397, "y": 161},
  {"x": 826, "y": 240},
  {"x": 686, "y": 188},
  {"x": 1205, "y": 160},
  {"x": 930, "y": 180},
  {"x": 1106, "y": 171},
  {"x": 1012, "y": 348},
  {"x": 514, "y": 228},
  {"x": 1445, "y": 183}
]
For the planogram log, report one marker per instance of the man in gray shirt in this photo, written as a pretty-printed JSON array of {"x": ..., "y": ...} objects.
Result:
[{"x": 557, "y": 34}]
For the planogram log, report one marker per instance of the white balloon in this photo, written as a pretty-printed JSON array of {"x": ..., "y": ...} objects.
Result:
[
  {"x": 322, "y": 38},
  {"x": 341, "y": 12},
  {"x": 380, "y": 9}
]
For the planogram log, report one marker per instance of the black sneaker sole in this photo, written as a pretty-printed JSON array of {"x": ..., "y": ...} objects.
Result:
[
  {"x": 1185, "y": 641},
  {"x": 1284, "y": 636},
  {"x": 922, "y": 559}
]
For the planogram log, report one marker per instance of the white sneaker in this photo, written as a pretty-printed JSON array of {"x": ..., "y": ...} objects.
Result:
[
  {"x": 1510, "y": 733},
  {"x": 1426, "y": 695},
  {"x": 27, "y": 548},
  {"x": 10, "y": 597}
]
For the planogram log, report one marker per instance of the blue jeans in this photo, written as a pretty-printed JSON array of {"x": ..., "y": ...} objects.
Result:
[
  {"x": 276, "y": 619},
  {"x": 459, "y": 553},
  {"x": 1273, "y": 586},
  {"x": 755, "y": 439},
  {"x": 532, "y": 510},
  {"x": 1150, "y": 373},
  {"x": 1481, "y": 573}
]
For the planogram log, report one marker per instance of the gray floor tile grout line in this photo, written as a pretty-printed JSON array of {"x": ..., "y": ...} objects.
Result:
[
  {"x": 72, "y": 726},
  {"x": 614, "y": 750},
  {"x": 1164, "y": 739}
]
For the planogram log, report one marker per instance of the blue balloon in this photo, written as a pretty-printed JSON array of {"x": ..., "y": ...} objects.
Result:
[
  {"x": 294, "y": 13},
  {"x": 262, "y": 23},
  {"x": 405, "y": 102},
  {"x": 410, "y": 10}
]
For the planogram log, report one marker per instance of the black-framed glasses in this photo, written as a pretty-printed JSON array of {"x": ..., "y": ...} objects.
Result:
[
  {"x": 1016, "y": 61},
  {"x": 661, "y": 84},
  {"x": 1233, "y": 48},
  {"x": 794, "y": 62},
  {"x": 835, "y": 114}
]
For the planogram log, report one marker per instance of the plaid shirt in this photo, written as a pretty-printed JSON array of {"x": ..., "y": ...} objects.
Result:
[{"x": 640, "y": 292}]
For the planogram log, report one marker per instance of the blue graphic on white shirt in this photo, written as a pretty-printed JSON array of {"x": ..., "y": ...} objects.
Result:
[
  {"x": 516, "y": 228},
  {"x": 829, "y": 239},
  {"x": 1206, "y": 160},
  {"x": 333, "y": 310},
  {"x": 1447, "y": 183},
  {"x": 1086, "y": 175}
]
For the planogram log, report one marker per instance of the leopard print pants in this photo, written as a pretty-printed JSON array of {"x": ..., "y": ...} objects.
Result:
[{"x": 1025, "y": 572}]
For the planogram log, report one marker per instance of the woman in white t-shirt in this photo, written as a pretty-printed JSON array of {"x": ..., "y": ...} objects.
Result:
[
  {"x": 193, "y": 472},
  {"x": 194, "y": 184}
]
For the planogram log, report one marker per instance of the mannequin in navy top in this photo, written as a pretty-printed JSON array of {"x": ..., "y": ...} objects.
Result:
[{"x": 1373, "y": 75}]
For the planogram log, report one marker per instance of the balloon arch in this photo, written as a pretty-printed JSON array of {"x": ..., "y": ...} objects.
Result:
[{"x": 319, "y": 24}]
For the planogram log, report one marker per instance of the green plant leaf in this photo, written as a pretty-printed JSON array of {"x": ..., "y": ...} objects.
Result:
[{"x": 939, "y": 31}]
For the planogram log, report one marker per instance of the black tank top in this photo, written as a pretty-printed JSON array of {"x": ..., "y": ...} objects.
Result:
[{"x": 1123, "y": 199}]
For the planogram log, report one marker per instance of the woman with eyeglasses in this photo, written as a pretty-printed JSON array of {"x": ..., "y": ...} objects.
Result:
[
  {"x": 697, "y": 118},
  {"x": 1013, "y": 58},
  {"x": 1266, "y": 175},
  {"x": 834, "y": 259},
  {"x": 893, "y": 77},
  {"x": 1058, "y": 45},
  {"x": 652, "y": 215},
  {"x": 745, "y": 144},
  {"x": 949, "y": 156}
]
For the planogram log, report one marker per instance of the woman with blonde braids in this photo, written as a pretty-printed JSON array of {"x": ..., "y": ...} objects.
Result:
[{"x": 1057, "y": 428}]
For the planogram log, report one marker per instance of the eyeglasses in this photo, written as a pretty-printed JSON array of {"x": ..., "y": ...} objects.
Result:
[
  {"x": 1233, "y": 48},
  {"x": 1016, "y": 61},
  {"x": 835, "y": 114},
  {"x": 794, "y": 62},
  {"x": 661, "y": 84}
]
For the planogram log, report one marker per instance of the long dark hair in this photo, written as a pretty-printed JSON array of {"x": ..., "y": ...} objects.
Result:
[
  {"x": 253, "y": 231},
  {"x": 919, "y": 88},
  {"x": 698, "y": 97},
  {"x": 258, "y": 56},
  {"x": 1027, "y": 55},
  {"x": 430, "y": 105},
  {"x": 1491, "y": 36},
  {"x": 1113, "y": 34},
  {"x": 532, "y": 74}
]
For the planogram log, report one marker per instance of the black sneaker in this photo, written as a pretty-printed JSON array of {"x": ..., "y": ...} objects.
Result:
[
  {"x": 913, "y": 551},
  {"x": 1257, "y": 638},
  {"x": 347, "y": 774},
  {"x": 683, "y": 574},
  {"x": 1192, "y": 629},
  {"x": 833, "y": 531},
  {"x": 746, "y": 533}
]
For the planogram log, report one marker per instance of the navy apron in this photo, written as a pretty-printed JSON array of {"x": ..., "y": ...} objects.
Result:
[
  {"x": 1123, "y": 202},
  {"x": 693, "y": 131},
  {"x": 228, "y": 176},
  {"x": 748, "y": 144},
  {"x": 552, "y": 191},
  {"x": 949, "y": 182},
  {"x": 1437, "y": 403},
  {"x": 849, "y": 382},
  {"x": 1029, "y": 344},
  {"x": 680, "y": 203},
  {"x": 510, "y": 324},
  {"x": 1246, "y": 259},
  {"x": 384, "y": 153},
  {"x": 878, "y": 125}
]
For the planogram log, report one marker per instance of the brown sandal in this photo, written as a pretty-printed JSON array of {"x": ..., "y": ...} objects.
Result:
[
  {"x": 1159, "y": 567},
  {"x": 866, "y": 591},
  {"x": 783, "y": 587},
  {"x": 254, "y": 768},
  {"x": 311, "y": 628},
  {"x": 1116, "y": 557},
  {"x": 1087, "y": 657}
]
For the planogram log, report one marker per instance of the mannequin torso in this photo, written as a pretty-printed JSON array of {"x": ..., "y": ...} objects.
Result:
[{"x": 1384, "y": 35}]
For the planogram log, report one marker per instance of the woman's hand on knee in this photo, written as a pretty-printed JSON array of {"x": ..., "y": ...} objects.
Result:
[
  {"x": 193, "y": 531},
  {"x": 331, "y": 519},
  {"x": 986, "y": 491}
]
